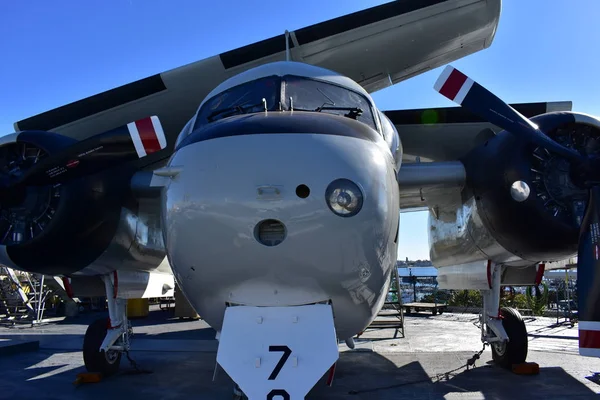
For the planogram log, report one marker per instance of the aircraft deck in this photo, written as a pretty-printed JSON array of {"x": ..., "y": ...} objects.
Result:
[{"x": 181, "y": 355}]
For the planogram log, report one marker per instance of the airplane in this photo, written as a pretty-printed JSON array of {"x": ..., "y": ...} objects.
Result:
[{"x": 269, "y": 186}]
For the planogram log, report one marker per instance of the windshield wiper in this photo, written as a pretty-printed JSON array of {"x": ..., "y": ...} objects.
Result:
[
  {"x": 231, "y": 109},
  {"x": 237, "y": 108},
  {"x": 353, "y": 112}
]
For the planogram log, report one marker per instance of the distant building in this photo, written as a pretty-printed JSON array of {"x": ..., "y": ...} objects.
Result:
[
  {"x": 561, "y": 274},
  {"x": 419, "y": 272},
  {"x": 418, "y": 268},
  {"x": 417, "y": 263},
  {"x": 424, "y": 268}
]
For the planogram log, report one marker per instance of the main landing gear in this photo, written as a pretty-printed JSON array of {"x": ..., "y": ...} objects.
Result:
[
  {"x": 514, "y": 351},
  {"x": 502, "y": 328},
  {"x": 106, "y": 339}
]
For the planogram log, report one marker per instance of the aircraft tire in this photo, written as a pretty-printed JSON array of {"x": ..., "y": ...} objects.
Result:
[
  {"x": 99, "y": 361},
  {"x": 514, "y": 351}
]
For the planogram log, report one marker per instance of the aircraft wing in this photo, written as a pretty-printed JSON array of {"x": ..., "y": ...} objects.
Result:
[
  {"x": 434, "y": 140},
  {"x": 376, "y": 47}
]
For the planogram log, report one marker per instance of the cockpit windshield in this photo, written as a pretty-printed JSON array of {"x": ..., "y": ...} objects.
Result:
[
  {"x": 287, "y": 93},
  {"x": 242, "y": 99},
  {"x": 305, "y": 94}
]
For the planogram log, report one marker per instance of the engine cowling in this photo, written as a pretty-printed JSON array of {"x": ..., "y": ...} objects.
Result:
[
  {"x": 56, "y": 229},
  {"x": 526, "y": 197}
]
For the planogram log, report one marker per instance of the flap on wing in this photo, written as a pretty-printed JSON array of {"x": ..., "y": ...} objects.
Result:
[
  {"x": 447, "y": 134},
  {"x": 383, "y": 45},
  {"x": 376, "y": 47}
]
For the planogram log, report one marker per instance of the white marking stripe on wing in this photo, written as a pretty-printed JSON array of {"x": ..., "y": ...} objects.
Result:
[
  {"x": 589, "y": 325},
  {"x": 462, "y": 93},
  {"x": 443, "y": 78},
  {"x": 137, "y": 141},
  {"x": 158, "y": 130}
]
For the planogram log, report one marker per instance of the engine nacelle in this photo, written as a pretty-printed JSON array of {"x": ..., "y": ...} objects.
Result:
[
  {"x": 520, "y": 205},
  {"x": 56, "y": 229}
]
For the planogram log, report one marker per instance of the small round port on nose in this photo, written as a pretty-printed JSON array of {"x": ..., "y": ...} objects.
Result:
[
  {"x": 302, "y": 191},
  {"x": 270, "y": 232}
]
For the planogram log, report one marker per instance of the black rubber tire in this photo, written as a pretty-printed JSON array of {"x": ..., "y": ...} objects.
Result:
[
  {"x": 515, "y": 351},
  {"x": 94, "y": 360}
]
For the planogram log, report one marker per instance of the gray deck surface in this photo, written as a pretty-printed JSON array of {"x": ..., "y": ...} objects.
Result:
[{"x": 182, "y": 354}]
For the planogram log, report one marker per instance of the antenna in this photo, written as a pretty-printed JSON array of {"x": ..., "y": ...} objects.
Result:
[{"x": 287, "y": 45}]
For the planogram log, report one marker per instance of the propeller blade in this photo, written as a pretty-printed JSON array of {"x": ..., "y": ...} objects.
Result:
[
  {"x": 95, "y": 154},
  {"x": 464, "y": 91},
  {"x": 588, "y": 277}
]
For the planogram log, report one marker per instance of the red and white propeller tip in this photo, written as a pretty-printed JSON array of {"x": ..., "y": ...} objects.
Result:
[
  {"x": 147, "y": 136},
  {"x": 453, "y": 84}
]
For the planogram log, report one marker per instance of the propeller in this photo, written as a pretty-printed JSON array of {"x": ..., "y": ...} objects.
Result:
[
  {"x": 461, "y": 89},
  {"x": 585, "y": 168},
  {"x": 95, "y": 154}
]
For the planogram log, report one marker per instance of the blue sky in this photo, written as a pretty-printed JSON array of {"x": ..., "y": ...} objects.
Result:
[{"x": 56, "y": 52}]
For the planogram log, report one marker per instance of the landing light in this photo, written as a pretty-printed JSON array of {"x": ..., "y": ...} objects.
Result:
[{"x": 344, "y": 197}]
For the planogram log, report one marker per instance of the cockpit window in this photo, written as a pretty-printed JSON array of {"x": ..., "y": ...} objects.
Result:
[
  {"x": 242, "y": 99},
  {"x": 305, "y": 94},
  {"x": 299, "y": 94}
]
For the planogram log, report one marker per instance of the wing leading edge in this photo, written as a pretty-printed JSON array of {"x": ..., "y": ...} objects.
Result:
[{"x": 376, "y": 47}]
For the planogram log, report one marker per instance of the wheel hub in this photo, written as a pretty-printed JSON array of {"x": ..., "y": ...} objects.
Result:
[
  {"x": 499, "y": 347},
  {"x": 111, "y": 356}
]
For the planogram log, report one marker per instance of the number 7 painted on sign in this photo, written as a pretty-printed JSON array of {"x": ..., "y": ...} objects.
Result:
[{"x": 284, "y": 357}]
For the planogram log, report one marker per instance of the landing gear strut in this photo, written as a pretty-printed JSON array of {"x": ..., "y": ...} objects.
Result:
[
  {"x": 504, "y": 329},
  {"x": 107, "y": 339}
]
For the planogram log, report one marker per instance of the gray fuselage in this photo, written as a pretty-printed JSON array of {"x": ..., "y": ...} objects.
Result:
[{"x": 239, "y": 171}]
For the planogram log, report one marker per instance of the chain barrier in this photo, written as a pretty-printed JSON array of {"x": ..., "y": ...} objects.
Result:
[
  {"x": 444, "y": 376},
  {"x": 135, "y": 366}
]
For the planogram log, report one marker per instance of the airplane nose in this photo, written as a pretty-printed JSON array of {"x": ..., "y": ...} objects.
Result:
[
  {"x": 281, "y": 218},
  {"x": 285, "y": 159}
]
